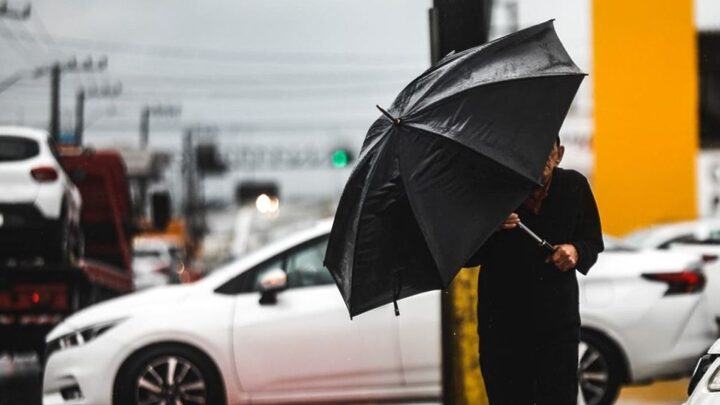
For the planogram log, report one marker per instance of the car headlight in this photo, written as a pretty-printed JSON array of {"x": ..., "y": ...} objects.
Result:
[{"x": 79, "y": 337}]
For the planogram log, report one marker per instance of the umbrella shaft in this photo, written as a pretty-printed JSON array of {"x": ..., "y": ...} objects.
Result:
[{"x": 541, "y": 242}]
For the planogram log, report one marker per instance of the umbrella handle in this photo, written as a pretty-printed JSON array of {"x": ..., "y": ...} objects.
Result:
[
  {"x": 395, "y": 121},
  {"x": 541, "y": 242},
  {"x": 397, "y": 287}
]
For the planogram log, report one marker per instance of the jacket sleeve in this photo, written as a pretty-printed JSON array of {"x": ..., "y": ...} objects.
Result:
[{"x": 587, "y": 237}]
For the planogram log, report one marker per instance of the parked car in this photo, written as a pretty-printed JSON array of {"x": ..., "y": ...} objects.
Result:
[
  {"x": 272, "y": 327},
  {"x": 39, "y": 205},
  {"x": 644, "y": 317},
  {"x": 704, "y": 387},
  {"x": 700, "y": 236},
  {"x": 155, "y": 262}
]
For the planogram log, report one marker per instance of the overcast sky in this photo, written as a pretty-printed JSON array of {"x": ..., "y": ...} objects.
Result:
[
  {"x": 255, "y": 63},
  {"x": 250, "y": 64},
  {"x": 265, "y": 71}
]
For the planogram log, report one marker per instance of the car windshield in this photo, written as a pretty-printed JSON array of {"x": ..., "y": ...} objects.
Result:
[
  {"x": 146, "y": 253},
  {"x": 13, "y": 148}
]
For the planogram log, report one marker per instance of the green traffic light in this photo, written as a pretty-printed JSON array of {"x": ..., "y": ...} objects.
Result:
[{"x": 340, "y": 158}]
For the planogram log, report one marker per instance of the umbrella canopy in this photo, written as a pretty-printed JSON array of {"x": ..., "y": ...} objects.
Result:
[{"x": 460, "y": 148}]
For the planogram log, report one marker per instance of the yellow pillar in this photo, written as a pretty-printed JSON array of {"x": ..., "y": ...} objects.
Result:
[
  {"x": 645, "y": 88},
  {"x": 467, "y": 384}
]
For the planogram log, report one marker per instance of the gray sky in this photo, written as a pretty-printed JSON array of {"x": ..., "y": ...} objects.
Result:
[
  {"x": 265, "y": 64},
  {"x": 306, "y": 73}
]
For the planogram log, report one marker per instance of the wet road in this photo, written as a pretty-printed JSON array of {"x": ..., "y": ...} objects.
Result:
[
  {"x": 20, "y": 385},
  {"x": 19, "y": 381},
  {"x": 665, "y": 393}
]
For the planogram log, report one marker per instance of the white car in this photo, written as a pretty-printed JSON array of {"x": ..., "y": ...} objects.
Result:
[
  {"x": 704, "y": 387},
  {"x": 272, "y": 327},
  {"x": 39, "y": 205},
  {"x": 155, "y": 262},
  {"x": 644, "y": 317},
  {"x": 700, "y": 236}
]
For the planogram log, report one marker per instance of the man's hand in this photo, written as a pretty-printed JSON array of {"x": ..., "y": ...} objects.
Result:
[
  {"x": 564, "y": 258},
  {"x": 510, "y": 222}
]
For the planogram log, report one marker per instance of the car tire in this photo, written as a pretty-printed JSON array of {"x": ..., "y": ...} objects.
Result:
[
  {"x": 601, "y": 369},
  {"x": 194, "y": 376}
]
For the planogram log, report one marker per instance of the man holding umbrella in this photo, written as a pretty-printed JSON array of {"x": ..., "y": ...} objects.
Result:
[
  {"x": 461, "y": 147},
  {"x": 528, "y": 316}
]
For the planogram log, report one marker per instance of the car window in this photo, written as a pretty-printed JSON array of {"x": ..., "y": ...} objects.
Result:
[
  {"x": 256, "y": 275},
  {"x": 305, "y": 266},
  {"x": 249, "y": 281},
  {"x": 687, "y": 238},
  {"x": 712, "y": 238},
  {"x": 146, "y": 253},
  {"x": 13, "y": 148}
]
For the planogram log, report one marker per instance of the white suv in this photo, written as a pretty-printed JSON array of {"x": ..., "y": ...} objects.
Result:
[{"x": 39, "y": 205}]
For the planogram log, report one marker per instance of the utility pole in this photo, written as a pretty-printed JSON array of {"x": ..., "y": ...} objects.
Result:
[
  {"x": 145, "y": 114},
  {"x": 105, "y": 91},
  {"x": 194, "y": 204},
  {"x": 56, "y": 71},
  {"x": 13, "y": 13},
  {"x": 159, "y": 110},
  {"x": 455, "y": 25}
]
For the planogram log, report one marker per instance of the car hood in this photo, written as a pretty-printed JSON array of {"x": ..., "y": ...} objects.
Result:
[{"x": 122, "y": 307}]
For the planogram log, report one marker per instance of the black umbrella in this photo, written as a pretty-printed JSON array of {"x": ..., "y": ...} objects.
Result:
[{"x": 461, "y": 147}]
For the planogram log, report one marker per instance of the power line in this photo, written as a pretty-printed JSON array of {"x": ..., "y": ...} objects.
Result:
[
  {"x": 220, "y": 55},
  {"x": 20, "y": 50},
  {"x": 279, "y": 96},
  {"x": 246, "y": 83},
  {"x": 234, "y": 126}
]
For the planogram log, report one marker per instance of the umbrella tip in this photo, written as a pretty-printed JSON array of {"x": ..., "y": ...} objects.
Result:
[{"x": 395, "y": 121}]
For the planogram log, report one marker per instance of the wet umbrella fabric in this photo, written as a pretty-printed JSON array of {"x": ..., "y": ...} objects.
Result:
[{"x": 465, "y": 145}]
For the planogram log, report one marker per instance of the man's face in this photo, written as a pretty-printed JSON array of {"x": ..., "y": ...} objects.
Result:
[{"x": 553, "y": 161}]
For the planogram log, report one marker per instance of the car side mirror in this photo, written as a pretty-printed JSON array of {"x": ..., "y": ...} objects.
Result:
[{"x": 271, "y": 283}]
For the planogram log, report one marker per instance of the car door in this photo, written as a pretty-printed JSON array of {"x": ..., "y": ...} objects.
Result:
[
  {"x": 306, "y": 340},
  {"x": 420, "y": 340}
]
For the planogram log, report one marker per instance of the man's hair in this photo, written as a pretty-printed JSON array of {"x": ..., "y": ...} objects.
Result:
[{"x": 557, "y": 140}]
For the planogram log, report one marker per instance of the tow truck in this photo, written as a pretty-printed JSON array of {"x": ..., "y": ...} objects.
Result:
[{"x": 34, "y": 297}]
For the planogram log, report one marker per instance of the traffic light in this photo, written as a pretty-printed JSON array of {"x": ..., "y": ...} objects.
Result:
[{"x": 340, "y": 158}]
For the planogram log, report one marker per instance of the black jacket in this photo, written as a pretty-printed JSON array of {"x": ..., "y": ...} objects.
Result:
[{"x": 520, "y": 296}]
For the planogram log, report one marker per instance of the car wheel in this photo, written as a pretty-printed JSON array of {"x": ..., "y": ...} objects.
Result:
[
  {"x": 600, "y": 370},
  {"x": 168, "y": 374}
]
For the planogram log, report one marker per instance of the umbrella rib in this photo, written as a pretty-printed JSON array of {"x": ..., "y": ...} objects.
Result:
[
  {"x": 382, "y": 140},
  {"x": 482, "y": 84},
  {"x": 425, "y": 232},
  {"x": 457, "y": 57},
  {"x": 429, "y": 131}
]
